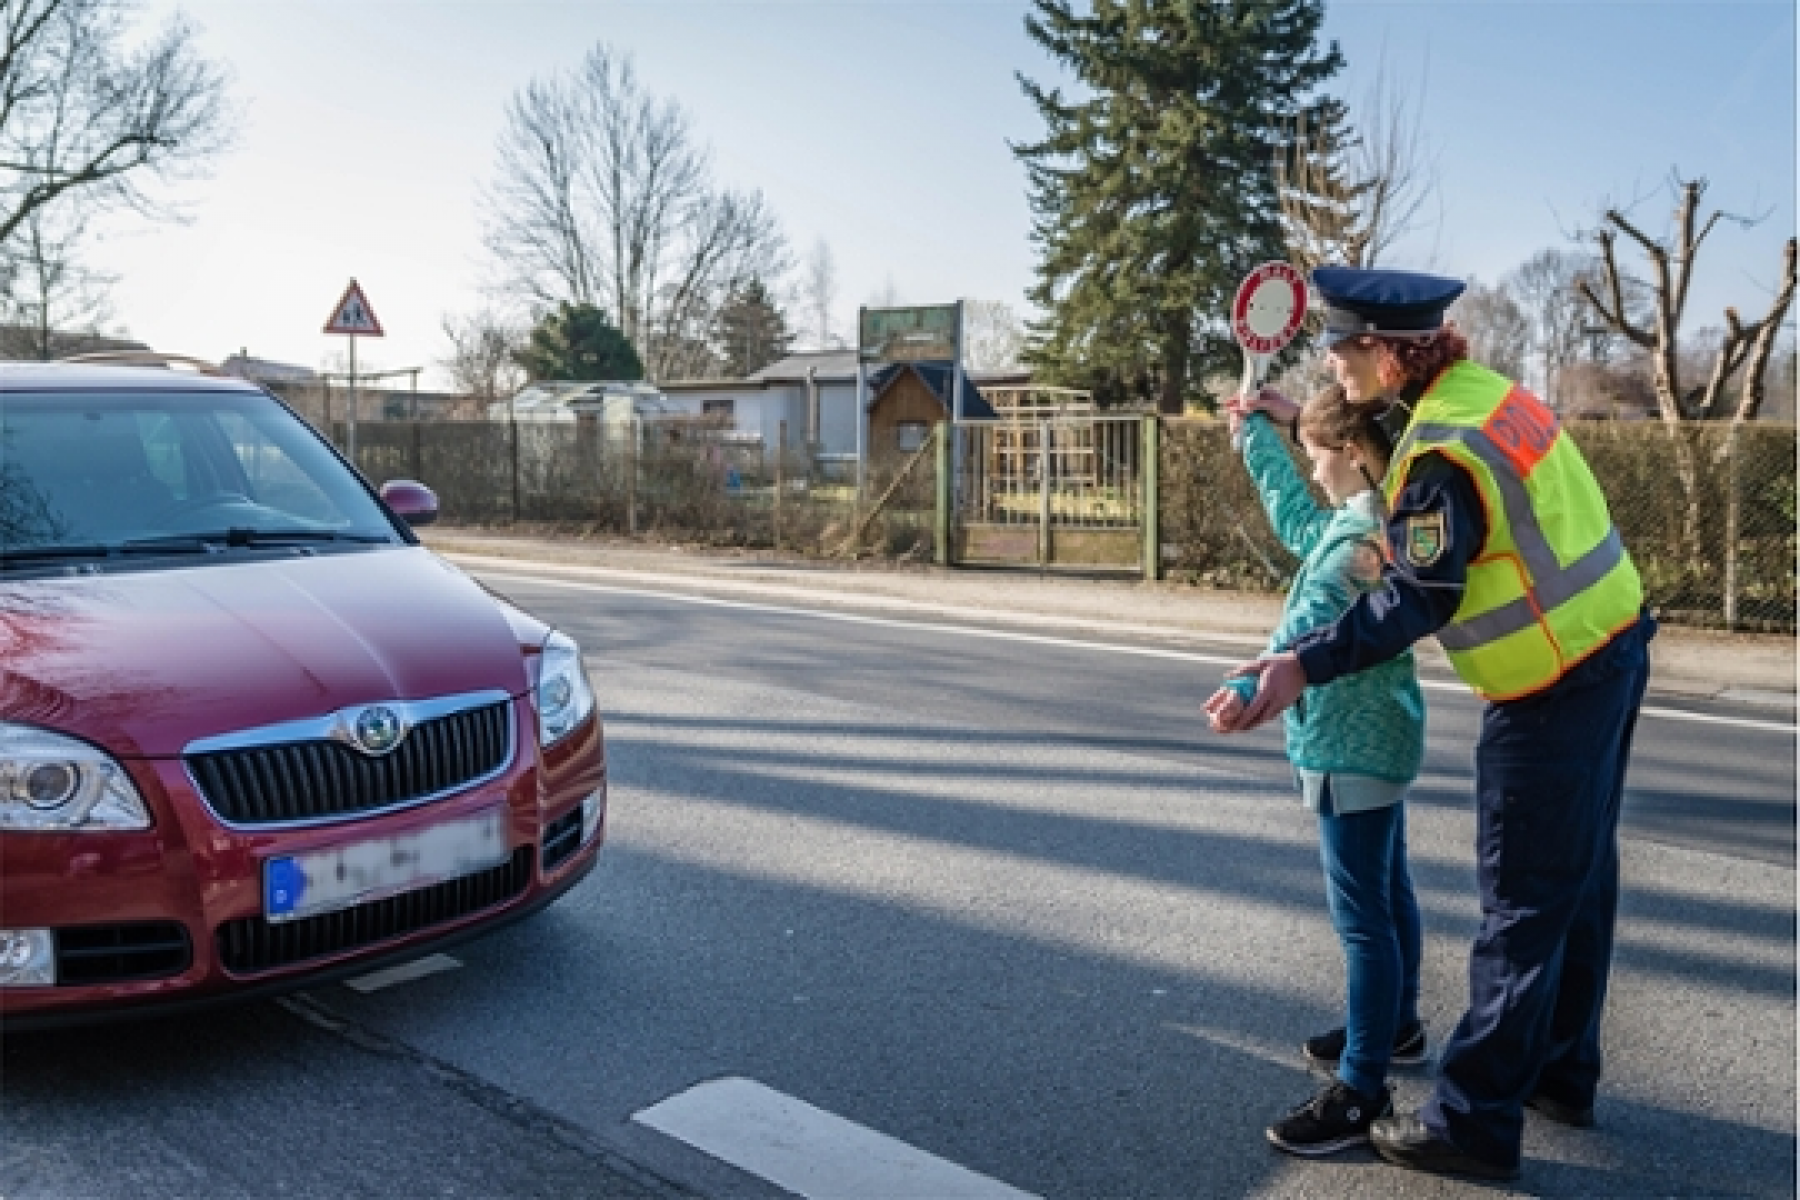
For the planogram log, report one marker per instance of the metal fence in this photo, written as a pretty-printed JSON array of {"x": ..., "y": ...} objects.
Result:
[
  {"x": 680, "y": 484},
  {"x": 1080, "y": 472},
  {"x": 1708, "y": 514}
]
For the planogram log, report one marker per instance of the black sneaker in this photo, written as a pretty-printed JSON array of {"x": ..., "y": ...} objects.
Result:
[
  {"x": 1335, "y": 1119},
  {"x": 1327, "y": 1048},
  {"x": 1580, "y": 1116}
]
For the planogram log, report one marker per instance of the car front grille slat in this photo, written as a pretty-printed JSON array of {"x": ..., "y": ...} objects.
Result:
[
  {"x": 94, "y": 954},
  {"x": 252, "y": 945},
  {"x": 325, "y": 779},
  {"x": 268, "y": 783}
]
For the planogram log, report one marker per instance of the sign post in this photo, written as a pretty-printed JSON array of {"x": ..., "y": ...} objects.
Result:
[
  {"x": 353, "y": 316},
  {"x": 1265, "y": 316}
]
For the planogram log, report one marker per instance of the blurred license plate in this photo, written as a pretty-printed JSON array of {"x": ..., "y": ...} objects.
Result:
[{"x": 306, "y": 884}]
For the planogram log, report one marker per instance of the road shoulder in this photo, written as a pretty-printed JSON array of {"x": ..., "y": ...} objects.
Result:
[{"x": 1757, "y": 670}]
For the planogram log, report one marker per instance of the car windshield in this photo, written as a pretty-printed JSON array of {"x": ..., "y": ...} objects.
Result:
[{"x": 111, "y": 472}]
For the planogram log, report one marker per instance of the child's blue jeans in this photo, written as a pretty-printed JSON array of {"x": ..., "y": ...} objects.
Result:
[{"x": 1370, "y": 893}]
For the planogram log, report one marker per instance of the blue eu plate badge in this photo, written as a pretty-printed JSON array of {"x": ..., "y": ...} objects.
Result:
[{"x": 285, "y": 882}]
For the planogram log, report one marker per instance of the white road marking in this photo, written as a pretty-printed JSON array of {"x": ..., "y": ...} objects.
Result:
[
  {"x": 431, "y": 964},
  {"x": 999, "y": 635},
  {"x": 1283, "y": 1056},
  {"x": 1676, "y": 714},
  {"x": 653, "y": 584},
  {"x": 809, "y": 1151},
  {"x": 1038, "y": 639}
]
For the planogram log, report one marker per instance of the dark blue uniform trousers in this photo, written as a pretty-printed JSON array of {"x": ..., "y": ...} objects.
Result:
[{"x": 1549, "y": 775}]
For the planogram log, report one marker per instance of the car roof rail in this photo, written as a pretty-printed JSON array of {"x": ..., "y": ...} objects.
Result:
[{"x": 145, "y": 358}]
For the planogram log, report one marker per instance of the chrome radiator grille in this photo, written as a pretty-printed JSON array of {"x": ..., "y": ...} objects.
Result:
[{"x": 323, "y": 779}]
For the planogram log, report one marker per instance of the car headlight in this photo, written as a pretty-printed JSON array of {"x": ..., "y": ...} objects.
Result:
[
  {"x": 564, "y": 696},
  {"x": 52, "y": 782}
]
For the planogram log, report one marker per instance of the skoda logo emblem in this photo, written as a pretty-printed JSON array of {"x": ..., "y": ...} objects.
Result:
[{"x": 378, "y": 729}]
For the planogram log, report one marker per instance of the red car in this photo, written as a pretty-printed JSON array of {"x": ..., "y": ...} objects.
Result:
[{"x": 252, "y": 734}]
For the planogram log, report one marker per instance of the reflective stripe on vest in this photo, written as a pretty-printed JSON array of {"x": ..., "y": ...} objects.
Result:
[
  {"x": 1552, "y": 584},
  {"x": 1525, "y": 617}
]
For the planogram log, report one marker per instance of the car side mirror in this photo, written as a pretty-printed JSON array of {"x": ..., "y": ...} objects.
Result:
[{"x": 412, "y": 502}]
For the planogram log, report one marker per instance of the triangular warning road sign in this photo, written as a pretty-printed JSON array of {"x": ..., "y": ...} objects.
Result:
[{"x": 353, "y": 314}]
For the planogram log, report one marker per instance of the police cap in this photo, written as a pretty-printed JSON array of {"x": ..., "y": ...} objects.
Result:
[{"x": 1407, "y": 304}]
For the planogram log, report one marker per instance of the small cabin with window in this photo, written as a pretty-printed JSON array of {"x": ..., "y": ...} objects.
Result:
[{"x": 907, "y": 399}]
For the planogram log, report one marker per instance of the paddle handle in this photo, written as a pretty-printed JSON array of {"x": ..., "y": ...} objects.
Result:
[{"x": 1254, "y": 367}]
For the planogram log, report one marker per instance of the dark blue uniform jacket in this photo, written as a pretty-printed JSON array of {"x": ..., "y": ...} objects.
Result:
[{"x": 1415, "y": 599}]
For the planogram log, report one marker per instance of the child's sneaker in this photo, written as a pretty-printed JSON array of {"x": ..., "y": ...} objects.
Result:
[
  {"x": 1327, "y": 1048},
  {"x": 1337, "y": 1118}
]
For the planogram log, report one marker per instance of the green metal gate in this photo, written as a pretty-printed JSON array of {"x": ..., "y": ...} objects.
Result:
[{"x": 1055, "y": 491}]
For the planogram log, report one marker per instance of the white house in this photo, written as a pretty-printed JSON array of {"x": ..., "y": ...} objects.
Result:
[
  {"x": 614, "y": 402},
  {"x": 813, "y": 393}
]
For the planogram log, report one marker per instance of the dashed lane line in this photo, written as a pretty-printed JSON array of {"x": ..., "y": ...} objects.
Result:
[
  {"x": 808, "y": 1151},
  {"x": 374, "y": 981}
]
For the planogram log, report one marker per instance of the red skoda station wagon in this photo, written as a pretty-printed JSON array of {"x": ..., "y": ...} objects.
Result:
[{"x": 253, "y": 735}]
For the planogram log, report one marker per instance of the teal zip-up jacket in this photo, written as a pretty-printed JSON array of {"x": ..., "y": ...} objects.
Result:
[{"x": 1373, "y": 722}]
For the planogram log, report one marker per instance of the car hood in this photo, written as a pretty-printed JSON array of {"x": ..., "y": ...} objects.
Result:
[{"x": 144, "y": 662}]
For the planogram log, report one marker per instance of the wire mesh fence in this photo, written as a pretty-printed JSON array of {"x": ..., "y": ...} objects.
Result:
[
  {"x": 690, "y": 484},
  {"x": 1707, "y": 512}
]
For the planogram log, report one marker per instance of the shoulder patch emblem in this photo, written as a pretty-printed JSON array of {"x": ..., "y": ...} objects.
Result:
[{"x": 1426, "y": 537}]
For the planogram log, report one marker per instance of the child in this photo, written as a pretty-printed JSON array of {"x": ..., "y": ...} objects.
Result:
[{"x": 1355, "y": 745}]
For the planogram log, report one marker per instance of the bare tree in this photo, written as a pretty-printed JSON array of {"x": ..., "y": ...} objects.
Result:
[
  {"x": 1547, "y": 287},
  {"x": 603, "y": 197},
  {"x": 48, "y": 298},
  {"x": 83, "y": 118},
  {"x": 1745, "y": 348},
  {"x": 818, "y": 296},
  {"x": 1498, "y": 330},
  {"x": 1348, "y": 192},
  {"x": 483, "y": 362},
  {"x": 727, "y": 239},
  {"x": 993, "y": 337},
  {"x": 885, "y": 296}
]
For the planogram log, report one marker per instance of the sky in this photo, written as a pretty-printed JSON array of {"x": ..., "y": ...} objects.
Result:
[{"x": 366, "y": 133}]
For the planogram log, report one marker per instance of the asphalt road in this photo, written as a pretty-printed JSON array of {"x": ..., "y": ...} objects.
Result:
[{"x": 997, "y": 899}]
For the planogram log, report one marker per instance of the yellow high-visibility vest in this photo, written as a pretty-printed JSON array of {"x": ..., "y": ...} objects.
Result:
[{"x": 1553, "y": 582}]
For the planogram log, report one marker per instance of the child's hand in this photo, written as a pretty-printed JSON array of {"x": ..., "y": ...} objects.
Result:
[
  {"x": 1281, "y": 410},
  {"x": 1222, "y": 709}
]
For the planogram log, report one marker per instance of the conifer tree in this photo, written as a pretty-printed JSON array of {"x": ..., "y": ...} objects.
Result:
[
  {"x": 1152, "y": 189},
  {"x": 577, "y": 342},
  {"x": 752, "y": 330}
]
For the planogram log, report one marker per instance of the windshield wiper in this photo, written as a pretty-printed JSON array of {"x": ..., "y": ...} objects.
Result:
[
  {"x": 211, "y": 542},
  {"x": 239, "y": 535},
  {"x": 28, "y": 556}
]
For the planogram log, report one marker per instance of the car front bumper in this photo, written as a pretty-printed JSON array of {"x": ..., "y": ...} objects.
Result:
[{"x": 172, "y": 917}]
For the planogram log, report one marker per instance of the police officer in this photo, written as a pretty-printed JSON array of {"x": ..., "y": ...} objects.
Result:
[{"x": 1503, "y": 548}]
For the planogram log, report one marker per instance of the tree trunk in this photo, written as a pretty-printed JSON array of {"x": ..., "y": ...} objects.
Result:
[{"x": 1764, "y": 345}]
